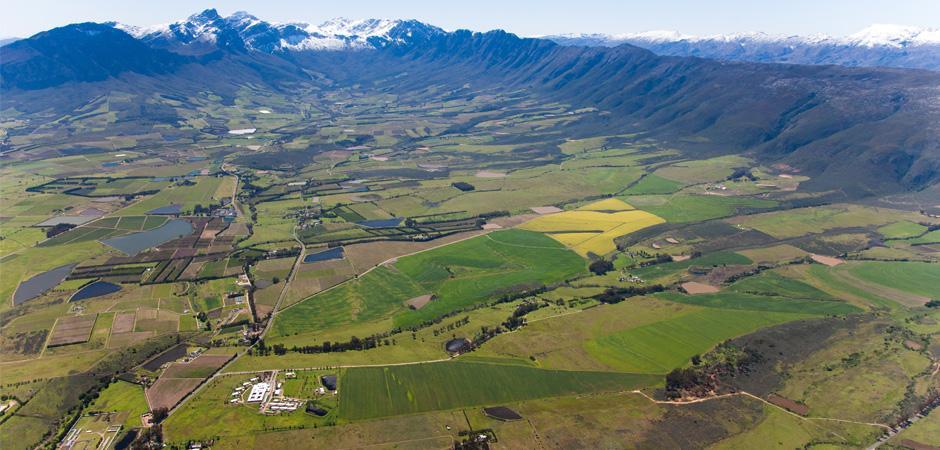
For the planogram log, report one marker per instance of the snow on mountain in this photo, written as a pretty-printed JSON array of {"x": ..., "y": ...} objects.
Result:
[
  {"x": 877, "y": 45},
  {"x": 884, "y": 35},
  {"x": 893, "y": 36},
  {"x": 207, "y": 30}
]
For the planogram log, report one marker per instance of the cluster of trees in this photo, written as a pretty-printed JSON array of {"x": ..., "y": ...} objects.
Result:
[
  {"x": 492, "y": 214},
  {"x": 452, "y": 326},
  {"x": 58, "y": 229},
  {"x": 707, "y": 372},
  {"x": 282, "y": 253},
  {"x": 742, "y": 172},
  {"x": 148, "y": 438},
  {"x": 601, "y": 266},
  {"x": 614, "y": 295},
  {"x": 354, "y": 343},
  {"x": 486, "y": 333},
  {"x": 933, "y": 304},
  {"x": 517, "y": 319}
]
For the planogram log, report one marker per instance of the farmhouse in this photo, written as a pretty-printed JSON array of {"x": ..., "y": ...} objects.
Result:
[{"x": 258, "y": 392}]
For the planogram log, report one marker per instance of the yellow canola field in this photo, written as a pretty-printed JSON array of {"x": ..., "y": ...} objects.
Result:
[{"x": 591, "y": 230}]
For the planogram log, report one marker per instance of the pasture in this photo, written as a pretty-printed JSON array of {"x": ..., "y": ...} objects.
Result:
[
  {"x": 917, "y": 278},
  {"x": 684, "y": 208},
  {"x": 121, "y": 396},
  {"x": 799, "y": 222},
  {"x": 667, "y": 344},
  {"x": 775, "y": 283},
  {"x": 371, "y": 392},
  {"x": 460, "y": 275}
]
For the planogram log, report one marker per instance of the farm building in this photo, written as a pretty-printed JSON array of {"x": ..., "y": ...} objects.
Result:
[{"x": 258, "y": 392}]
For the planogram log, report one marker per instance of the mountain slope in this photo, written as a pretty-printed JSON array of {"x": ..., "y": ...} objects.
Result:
[
  {"x": 875, "y": 128},
  {"x": 878, "y": 45},
  {"x": 859, "y": 130},
  {"x": 80, "y": 52}
]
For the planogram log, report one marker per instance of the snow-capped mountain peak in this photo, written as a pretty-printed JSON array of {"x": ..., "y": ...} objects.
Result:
[
  {"x": 364, "y": 28},
  {"x": 887, "y": 35},
  {"x": 877, "y": 45},
  {"x": 207, "y": 30}
]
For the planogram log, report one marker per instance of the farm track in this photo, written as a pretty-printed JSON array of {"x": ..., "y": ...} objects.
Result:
[
  {"x": 407, "y": 441},
  {"x": 752, "y": 396}
]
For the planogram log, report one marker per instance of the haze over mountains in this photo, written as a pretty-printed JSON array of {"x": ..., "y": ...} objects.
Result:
[
  {"x": 877, "y": 45},
  {"x": 858, "y": 130}
]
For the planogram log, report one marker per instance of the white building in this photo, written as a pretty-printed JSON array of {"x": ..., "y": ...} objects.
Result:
[{"x": 258, "y": 392}]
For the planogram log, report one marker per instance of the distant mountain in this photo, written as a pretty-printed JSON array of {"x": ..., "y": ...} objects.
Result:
[
  {"x": 878, "y": 45},
  {"x": 10, "y": 40},
  {"x": 80, "y": 52},
  {"x": 208, "y": 31},
  {"x": 861, "y": 131}
]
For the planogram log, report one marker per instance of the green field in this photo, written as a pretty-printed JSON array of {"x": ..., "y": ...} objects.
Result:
[
  {"x": 798, "y": 222},
  {"x": 662, "y": 346},
  {"x": 123, "y": 396},
  {"x": 902, "y": 230},
  {"x": 774, "y": 284},
  {"x": 371, "y": 392},
  {"x": 460, "y": 275},
  {"x": 932, "y": 237},
  {"x": 693, "y": 208},
  {"x": 914, "y": 277},
  {"x": 653, "y": 184},
  {"x": 748, "y": 302}
]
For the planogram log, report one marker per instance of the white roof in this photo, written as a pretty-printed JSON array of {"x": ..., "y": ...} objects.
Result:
[{"x": 258, "y": 392}]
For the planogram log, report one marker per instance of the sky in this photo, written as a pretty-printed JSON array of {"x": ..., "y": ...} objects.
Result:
[{"x": 22, "y": 18}]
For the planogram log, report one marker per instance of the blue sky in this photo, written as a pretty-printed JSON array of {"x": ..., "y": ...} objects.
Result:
[{"x": 837, "y": 17}]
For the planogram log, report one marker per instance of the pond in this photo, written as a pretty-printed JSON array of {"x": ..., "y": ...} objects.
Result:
[
  {"x": 329, "y": 382},
  {"x": 134, "y": 243},
  {"x": 96, "y": 289},
  {"x": 457, "y": 345},
  {"x": 381, "y": 223},
  {"x": 170, "y": 355},
  {"x": 37, "y": 285},
  {"x": 326, "y": 255}
]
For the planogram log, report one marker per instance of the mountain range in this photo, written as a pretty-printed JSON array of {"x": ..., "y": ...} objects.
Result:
[
  {"x": 859, "y": 130},
  {"x": 878, "y": 45}
]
